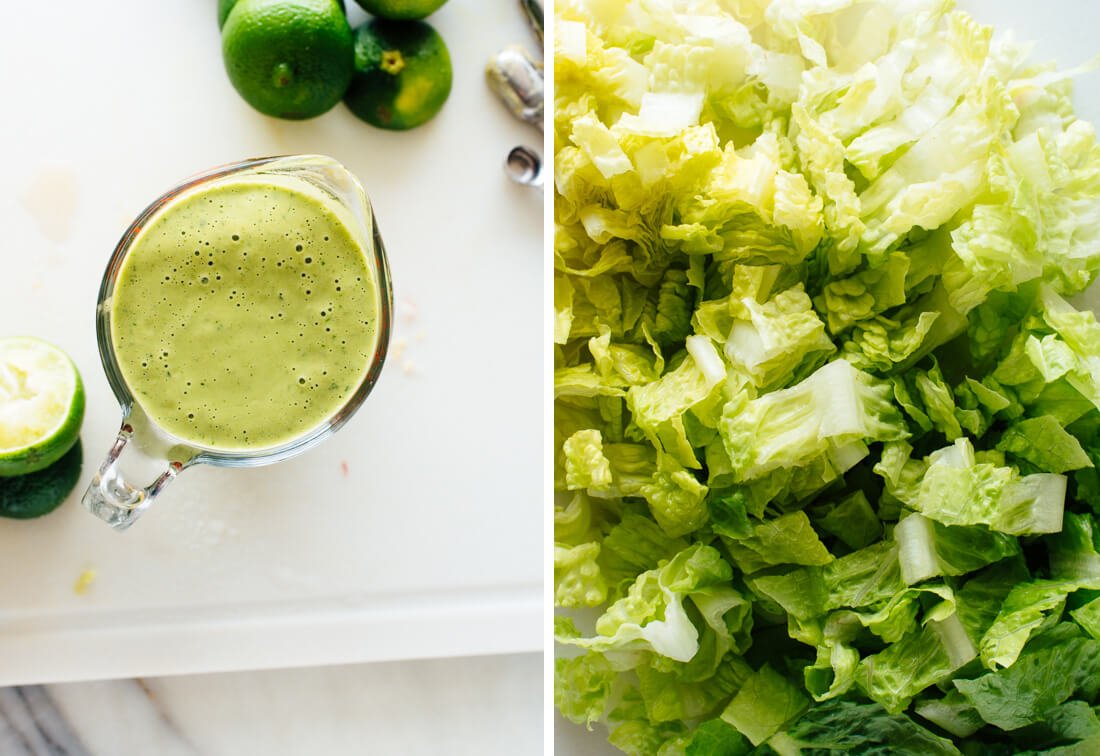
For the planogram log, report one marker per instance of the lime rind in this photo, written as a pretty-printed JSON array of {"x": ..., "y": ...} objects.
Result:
[
  {"x": 41, "y": 405},
  {"x": 403, "y": 74},
  {"x": 288, "y": 60},
  {"x": 40, "y": 492},
  {"x": 401, "y": 10}
]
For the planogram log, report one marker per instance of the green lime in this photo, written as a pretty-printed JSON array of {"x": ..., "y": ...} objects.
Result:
[
  {"x": 39, "y": 493},
  {"x": 224, "y": 6},
  {"x": 288, "y": 58},
  {"x": 41, "y": 405},
  {"x": 401, "y": 10},
  {"x": 402, "y": 74}
]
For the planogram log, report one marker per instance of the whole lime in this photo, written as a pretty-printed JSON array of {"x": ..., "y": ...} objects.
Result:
[
  {"x": 401, "y": 10},
  {"x": 224, "y": 6},
  {"x": 402, "y": 74},
  {"x": 288, "y": 58}
]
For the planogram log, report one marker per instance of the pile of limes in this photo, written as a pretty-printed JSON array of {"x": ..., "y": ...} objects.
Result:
[
  {"x": 41, "y": 411},
  {"x": 297, "y": 58}
]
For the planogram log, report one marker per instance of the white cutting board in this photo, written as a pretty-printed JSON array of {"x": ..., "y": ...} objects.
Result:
[{"x": 430, "y": 543}]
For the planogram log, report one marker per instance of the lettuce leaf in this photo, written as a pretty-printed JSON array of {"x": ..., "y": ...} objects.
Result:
[
  {"x": 928, "y": 549},
  {"x": 789, "y": 539},
  {"x": 652, "y": 616},
  {"x": 919, "y": 659},
  {"x": 1053, "y": 667},
  {"x": 577, "y": 578},
  {"x": 851, "y": 520},
  {"x": 1028, "y": 609},
  {"x": 765, "y": 702},
  {"x": 957, "y": 488},
  {"x": 864, "y": 728},
  {"x": 770, "y": 341},
  {"x": 582, "y": 687},
  {"x": 832, "y": 414}
]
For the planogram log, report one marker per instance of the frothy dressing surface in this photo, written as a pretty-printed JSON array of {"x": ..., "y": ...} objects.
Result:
[{"x": 244, "y": 314}]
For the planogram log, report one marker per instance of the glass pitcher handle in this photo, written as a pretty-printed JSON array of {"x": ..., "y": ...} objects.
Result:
[{"x": 111, "y": 498}]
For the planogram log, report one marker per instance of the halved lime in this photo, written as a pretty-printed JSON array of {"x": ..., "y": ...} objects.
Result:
[
  {"x": 41, "y": 405},
  {"x": 39, "y": 493},
  {"x": 402, "y": 74}
]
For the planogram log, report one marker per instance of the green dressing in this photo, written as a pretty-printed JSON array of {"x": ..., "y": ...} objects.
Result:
[{"x": 244, "y": 314}]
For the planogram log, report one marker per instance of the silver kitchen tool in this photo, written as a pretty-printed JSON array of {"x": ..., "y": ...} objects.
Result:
[
  {"x": 533, "y": 10},
  {"x": 517, "y": 80},
  {"x": 524, "y": 166}
]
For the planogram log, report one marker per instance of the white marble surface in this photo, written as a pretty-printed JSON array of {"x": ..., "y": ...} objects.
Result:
[{"x": 474, "y": 705}]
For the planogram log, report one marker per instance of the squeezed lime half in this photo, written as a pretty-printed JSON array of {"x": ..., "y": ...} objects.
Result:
[{"x": 41, "y": 405}]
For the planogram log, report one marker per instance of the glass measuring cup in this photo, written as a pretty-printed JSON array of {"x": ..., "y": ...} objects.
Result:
[{"x": 159, "y": 452}]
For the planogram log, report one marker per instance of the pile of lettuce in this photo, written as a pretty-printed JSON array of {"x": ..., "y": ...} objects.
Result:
[{"x": 827, "y": 425}]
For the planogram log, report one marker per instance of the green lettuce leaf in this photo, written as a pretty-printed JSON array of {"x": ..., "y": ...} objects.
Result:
[
  {"x": 789, "y": 539},
  {"x": 582, "y": 687},
  {"x": 1028, "y": 609},
  {"x": 634, "y": 545},
  {"x": 861, "y": 296},
  {"x": 634, "y": 733},
  {"x": 577, "y": 578},
  {"x": 867, "y": 728},
  {"x": 1088, "y": 617},
  {"x": 575, "y": 520},
  {"x": 958, "y": 489},
  {"x": 658, "y": 408},
  {"x": 929, "y": 549},
  {"x": 716, "y": 738},
  {"x": 1042, "y": 192},
  {"x": 981, "y": 597},
  {"x": 764, "y": 704},
  {"x": 883, "y": 344},
  {"x": 832, "y": 413},
  {"x": 1053, "y": 667},
  {"x": 1038, "y": 359},
  {"x": 851, "y": 519},
  {"x": 676, "y": 499},
  {"x": 1072, "y": 722},
  {"x": 951, "y": 713},
  {"x": 1073, "y": 552},
  {"x": 919, "y": 659},
  {"x": 652, "y": 615},
  {"x": 669, "y": 698},
  {"x": 929, "y": 401},
  {"x": 1044, "y": 443},
  {"x": 585, "y": 464},
  {"x": 771, "y": 341},
  {"x": 729, "y": 514}
]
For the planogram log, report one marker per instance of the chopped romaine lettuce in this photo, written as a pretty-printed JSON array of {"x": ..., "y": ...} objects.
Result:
[{"x": 827, "y": 423}]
